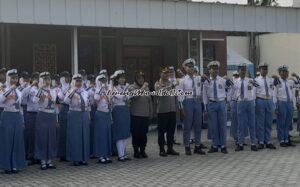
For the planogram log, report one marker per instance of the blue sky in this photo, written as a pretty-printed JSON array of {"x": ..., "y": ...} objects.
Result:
[{"x": 281, "y": 2}]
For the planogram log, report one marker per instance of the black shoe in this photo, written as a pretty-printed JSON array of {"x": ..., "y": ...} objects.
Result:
[
  {"x": 213, "y": 150},
  {"x": 171, "y": 151},
  {"x": 14, "y": 171},
  {"x": 261, "y": 146},
  {"x": 136, "y": 153},
  {"x": 239, "y": 148},
  {"x": 245, "y": 144},
  {"x": 290, "y": 144},
  {"x": 93, "y": 157},
  {"x": 121, "y": 159},
  {"x": 143, "y": 153},
  {"x": 76, "y": 164},
  {"x": 43, "y": 167},
  {"x": 83, "y": 163},
  {"x": 8, "y": 172},
  {"x": 224, "y": 150},
  {"x": 102, "y": 161},
  {"x": 188, "y": 151},
  {"x": 254, "y": 148},
  {"x": 176, "y": 143},
  {"x": 192, "y": 141},
  {"x": 162, "y": 152},
  {"x": 62, "y": 159},
  {"x": 199, "y": 151},
  {"x": 108, "y": 161},
  {"x": 32, "y": 162},
  {"x": 283, "y": 144},
  {"x": 270, "y": 146},
  {"x": 202, "y": 146},
  {"x": 127, "y": 158}
]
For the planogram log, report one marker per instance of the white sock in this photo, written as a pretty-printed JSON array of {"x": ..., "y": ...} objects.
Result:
[
  {"x": 124, "y": 147},
  {"x": 120, "y": 148}
]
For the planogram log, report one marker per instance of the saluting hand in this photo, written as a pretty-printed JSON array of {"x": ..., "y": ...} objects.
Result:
[{"x": 34, "y": 83}]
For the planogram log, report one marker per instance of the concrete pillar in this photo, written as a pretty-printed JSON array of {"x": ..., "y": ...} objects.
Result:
[
  {"x": 74, "y": 49},
  {"x": 201, "y": 53}
]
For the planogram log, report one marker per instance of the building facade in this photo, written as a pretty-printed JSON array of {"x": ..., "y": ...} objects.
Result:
[{"x": 58, "y": 35}]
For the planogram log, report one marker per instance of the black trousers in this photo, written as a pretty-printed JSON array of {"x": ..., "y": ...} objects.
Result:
[
  {"x": 166, "y": 124},
  {"x": 139, "y": 130}
]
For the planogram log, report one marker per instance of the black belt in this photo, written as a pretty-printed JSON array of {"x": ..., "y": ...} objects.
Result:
[
  {"x": 263, "y": 98},
  {"x": 31, "y": 112}
]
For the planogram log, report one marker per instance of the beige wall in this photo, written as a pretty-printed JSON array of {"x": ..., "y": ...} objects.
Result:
[
  {"x": 279, "y": 49},
  {"x": 239, "y": 44}
]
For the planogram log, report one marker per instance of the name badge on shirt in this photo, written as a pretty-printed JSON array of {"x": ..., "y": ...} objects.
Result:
[
  {"x": 198, "y": 84},
  {"x": 220, "y": 86},
  {"x": 291, "y": 87},
  {"x": 249, "y": 87}
]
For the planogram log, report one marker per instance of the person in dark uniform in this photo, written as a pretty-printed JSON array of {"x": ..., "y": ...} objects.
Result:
[
  {"x": 30, "y": 118},
  {"x": 141, "y": 112},
  {"x": 91, "y": 88},
  {"x": 166, "y": 110},
  {"x": 65, "y": 79},
  {"x": 12, "y": 150}
]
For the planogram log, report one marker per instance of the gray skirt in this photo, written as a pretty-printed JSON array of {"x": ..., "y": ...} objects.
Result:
[
  {"x": 121, "y": 122},
  {"x": 78, "y": 136},
  {"x": 12, "y": 148},
  {"x": 102, "y": 134},
  {"x": 45, "y": 136}
]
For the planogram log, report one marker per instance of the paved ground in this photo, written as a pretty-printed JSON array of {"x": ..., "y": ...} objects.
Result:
[{"x": 264, "y": 168}]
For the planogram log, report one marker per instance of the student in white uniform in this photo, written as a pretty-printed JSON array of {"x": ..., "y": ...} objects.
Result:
[
  {"x": 121, "y": 115},
  {"x": 78, "y": 129},
  {"x": 284, "y": 106},
  {"x": 12, "y": 150},
  {"x": 45, "y": 129},
  {"x": 264, "y": 108},
  {"x": 102, "y": 141},
  {"x": 245, "y": 94},
  {"x": 2, "y": 85},
  {"x": 191, "y": 106},
  {"x": 214, "y": 98},
  {"x": 233, "y": 105}
]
